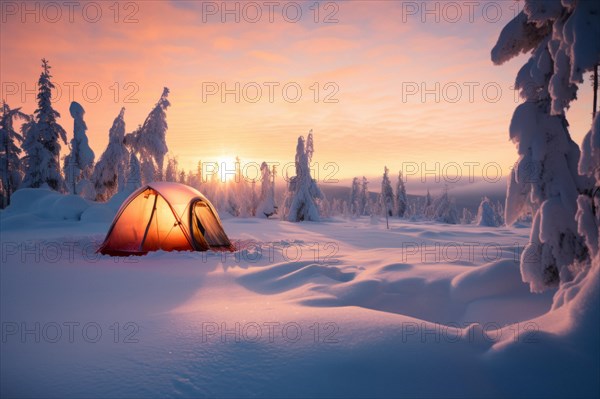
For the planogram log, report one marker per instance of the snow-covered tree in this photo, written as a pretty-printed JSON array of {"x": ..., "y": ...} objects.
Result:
[
  {"x": 562, "y": 39},
  {"x": 428, "y": 210},
  {"x": 444, "y": 209},
  {"x": 401, "y": 201},
  {"x": 376, "y": 210},
  {"x": 134, "y": 178},
  {"x": 43, "y": 163},
  {"x": 239, "y": 194},
  {"x": 387, "y": 194},
  {"x": 499, "y": 210},
  {"x": 34, "y": 154},
  {"x": 355, "y": 198},
  {"x": 171, "y": 172},
  {"x": 345, "y": 210},
  {"x": 109, "y": 172},
  {"x": 10, "y": 163},
  {"x": 364, "y": 197},
  {"x": 325, "y": 208},
  {"x": 310, "y": 147},
  {"x": 467, "y": 216},
  {"x": 266, "y": 203},
  {"x": 303, "y": 191},
  {"x": 182, "y": 177},
  {"x": 79, "y": 164},
  {"x": 487, "y": 214},
  {"x": 412, "y": 209},
  {"x": 149, "y": 140},
  {"x": 192, "y": 179},
  {"x": 254, "y": 199},
  {"x": 149, "y": 172}
]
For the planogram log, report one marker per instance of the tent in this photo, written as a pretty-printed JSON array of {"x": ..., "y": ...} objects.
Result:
[{"x": 167, "y": 216}]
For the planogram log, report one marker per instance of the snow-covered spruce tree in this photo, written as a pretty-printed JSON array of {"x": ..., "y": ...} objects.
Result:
[
  {"x": 238, "y": 193},
  {"x": 365, "y": 209},
  {"x": 310, "y": 146},
  {"x": 182, "y": 177},
  {"x": 149, "y": 172},
  {"x": 134, "y": 178},
  {"x": 253, "y": 199},
  {"x": 562, "y": 39},
  {"x": 444, "y": 210},
  {"x": 48, "y": 133},
  {"x": 387, "y": 194},
  {"x": 346, "y": 210},
  {"x": 34, "y": 152},
  {"x": 377, "y": 210},
  {"x": 499, "y": 210},
  {"x": 171, "y": 171},
  {"x": 79, "y": 164},
  {"x": 266, "y": 201},
  {"x": 487, "y": 215},
  {"x": 401, "y": 201},
  {"x": 10, "y": 164},
  {"x": 109, "y": 172},
  {"x": 303, "y": 191},
  {"x": 355, "y": 198},
  {"x": 467, "y": 216},
  {"x": 325, "y": 208},
  {"x": 149, "y": 140},
  {"x": 428, "y": 210},
  {"x": 193, "y": 179}
]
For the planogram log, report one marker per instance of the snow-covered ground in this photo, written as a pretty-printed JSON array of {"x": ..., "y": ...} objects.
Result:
[{"x": 339, "y": 308}]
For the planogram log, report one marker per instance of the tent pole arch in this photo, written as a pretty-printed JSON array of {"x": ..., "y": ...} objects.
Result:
[{"x": 149, "y": 221}]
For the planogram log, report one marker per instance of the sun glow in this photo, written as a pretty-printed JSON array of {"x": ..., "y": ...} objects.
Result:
[{"x": 227, "y": 166}]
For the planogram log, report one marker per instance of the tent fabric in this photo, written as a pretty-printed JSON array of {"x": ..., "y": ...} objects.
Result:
[{"x": 165, "y": 216}]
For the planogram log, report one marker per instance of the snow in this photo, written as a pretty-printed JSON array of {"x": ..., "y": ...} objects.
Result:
[
  {"x": 109, "y": 171},
  {"x": 518, "y": 36},
  {"x": 489, "y": 214},
  {"x": 79, "y": 164},
  {"x": 301, "y": 202},
  {"x": 149, "y": 140},
  {"x": 546, "y": 179},
  {"x": 422, "y": 309},
  {"x": 42, "y": 138},
  {"x": 401, "y": 199},
  {"x": 266, "y": 202}
]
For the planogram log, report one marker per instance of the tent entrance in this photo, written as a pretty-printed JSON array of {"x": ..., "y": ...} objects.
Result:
[{"x": 207, "y": 230}]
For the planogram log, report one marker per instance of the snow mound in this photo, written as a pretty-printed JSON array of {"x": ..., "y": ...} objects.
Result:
[
  {"x": 30, "y": 200},
  {"x": 493, "y": 279},
  {"x": 47, "y": 204},
  {"x": 288, "y": 275},
  {"x": 32, "y": 206},
  {"x": 117, "y": 200},
  {"x": 69, "y": 207},
  {"x": 98, "y": 213}
]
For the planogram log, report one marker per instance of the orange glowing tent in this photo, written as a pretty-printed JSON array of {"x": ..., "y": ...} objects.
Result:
[{"x": 165, "y": 216}]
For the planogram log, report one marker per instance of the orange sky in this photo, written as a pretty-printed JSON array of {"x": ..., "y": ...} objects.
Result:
[{"x": 370, "y": 57}]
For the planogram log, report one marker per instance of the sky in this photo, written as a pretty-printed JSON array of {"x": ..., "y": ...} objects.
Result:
[{"x": 405, "y": 84}]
